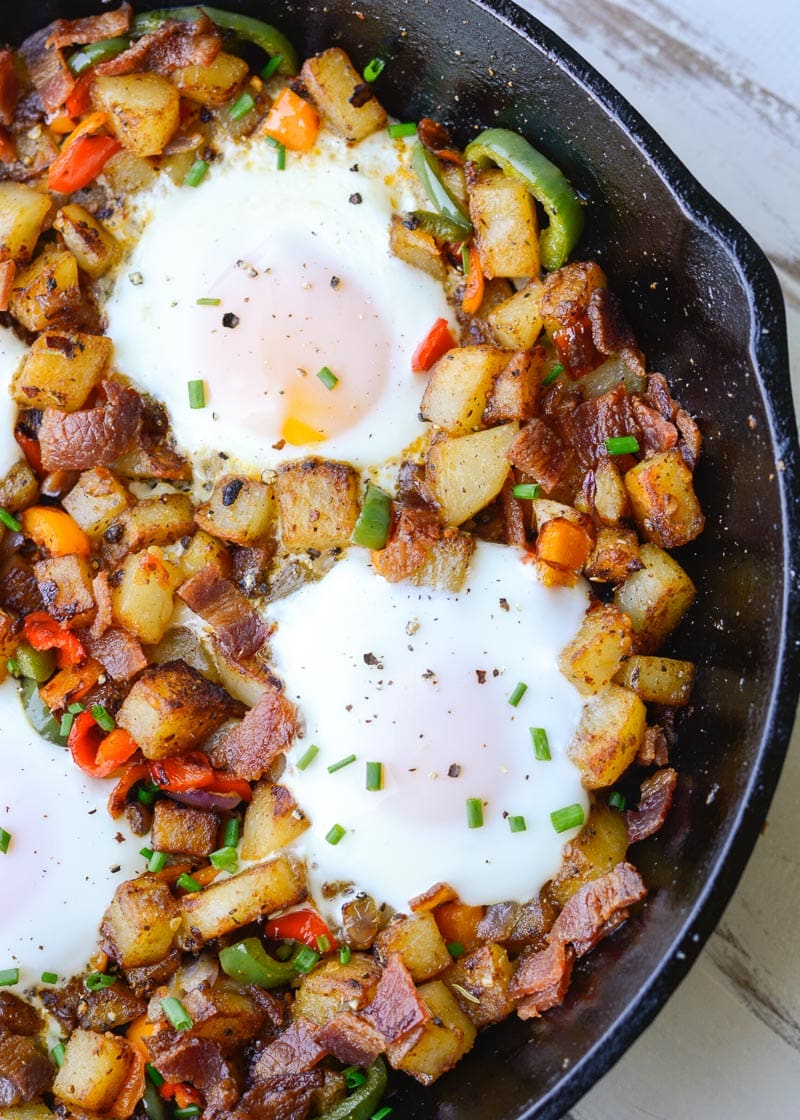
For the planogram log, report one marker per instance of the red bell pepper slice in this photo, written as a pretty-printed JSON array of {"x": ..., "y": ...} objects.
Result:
[
  {"x": 98, "y": 754},
  {"x": 134, "y": 772},
  {"x": 436, "y": 343},
  {"x": 30, "y": 449},
  {"x": 222, "y": 784},
  {"x": 79, "y": 101},
  {"x": 182, "y": 772},
  {"x": 43, "y": 632},
  {"x": 80, "y": 163},
  {"x": 300, "y": 925},
  {"x": 183, "y": 1095}
]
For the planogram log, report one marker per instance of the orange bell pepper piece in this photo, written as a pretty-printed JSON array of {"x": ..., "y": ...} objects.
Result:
[
  {"x": 564, "y": 544},
  {"x": 55, "y": 530},
  {"x": 81, "y": 162},
  {"x": 434, "y": 345},
  {"x": 292, "y": 121},
  {"x": 96, "y": 753},
  {"x": 473, "y": 293}
]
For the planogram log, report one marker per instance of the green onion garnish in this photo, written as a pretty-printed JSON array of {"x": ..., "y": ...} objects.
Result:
[
  {"x": 154, "y": 1076},
  {"x": 208, "y": 301},
  {"x": 335, "y": 834},
  {"x": 323, "y": 943},
  {"x": 176, "y": 1013},
  {"x": 75, "y": 708},
  {"x": 374, "y": 776},
  {"x": 57, "y": 1054},
  {"x": 340, "y": 765},
  {"x": 185, "y": 1113},
  {"x": 354, "y": 1077},
  {"x": 9, "y": 976},
  {"x": 382, "y": 1113},
  {"x": 146, "y": 853},
  {"x": 474, "y": 812},
  {"x": 10, "y": 521},
  {"x": 555, "y": 372},
  {"x": 241, "y": 106},
  {"x": 622, "y": 445},
  {"x": 231, "y": 837},
  {"x": 271, "y": 67},
  {"x": 280, "y": 162},
  {"x": 49, "y": 977},
  {"x": 374, "y": 520},
  {"x": 65, "y": 726},
  {"x": 225, "y": 859},
  {"x": 97, "y": 981},
  {"x": 455, "y": 949},
  {"x": 187, "y": 883},
  {"x": 102, "y": 718},
  {"x": 305, "y": 959},
  {"x": 398, "y": 131},
  {"x": 197, "y": 394},
  {"x": 617, "y": 801},
  {"x": 196, "y": 173},
  {"x": 145, "y": 796},
  {"x": 157, "y": 862},
  {"x": 5, "y": 840},
  {"x": 328, "y": 378},
  {"x": 344, "y": 954},
  {"x": 541, "y": 746},
  {"x": 13, "y": 666},
  {"x": 517, "y": 824},
  {"x": 308, "y": 757},
  {"x": 572, "y": 816},
  {"x": 373, "y": 69},
  {"x": 517, "y": 694},
  {"x": 527, "y": 490}
]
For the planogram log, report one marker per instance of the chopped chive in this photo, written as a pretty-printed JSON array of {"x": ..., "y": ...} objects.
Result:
[
  {"x": 197, "y": 394},
  {"x": 541, "y": 745},
  {"x": 196, "y": 173},
  {"x": 9, "y": 976},
  {"x": 231, "y": 837},
  {"x": 57, "y": 1054},
  {"x": 187, "y": 883},
  {"x": 382, "y": 1113},
  {"x": 146, "y": 853},
  {"x": 324, "y": 943},
  {"x": 176, "y": 1013},
  {"x": 622, "y": 445},
  {"x": 354, "y": 1077},
  {"x": 225, "y": 859},
  {"x": 185, "y": 1113},
  {"x": 617, "y": 801},
  {"x": 455, "y": 949},
  {"x": 65, "y": 726},
  {"x": 374, "y": 519},
  {"x": 517, "y": 824},
  {"x": 102, "y": 718},
  {"x": 241, "y": 106},
  {"x": 340, "y": 765},
  {"x": 328, "y": 378},
  {"x": 374, "y": 776},
  {"x": 271, "y": 67},
  {"x": 10, "y": 521},
  {"x": 335, "y": 834},
  {"x": 527, "y": 490},
  {"x": 474, "y": 812},
  {"x": 49, "y": 977},
  {"x": 146, "y": 796},
  {"x": 308, "y": 757},
  {"x": 13, "y": 666},
  {"x": 157, "y": 862},
  {"x": 97, "y": 981},
  {"x": 154, "y": 1076},
  {"x": 571, "y": 816},
  {"x": 555, "y": 372},
  {"x": 208, "y": 301},
  {"x": 373, "y": 69},
  {"x": 344, "y": 954},
  {"x": 5, "y": 840},
  {"x": 517, "y": 694},
  {"x": 305, "y": 959},
  {"x": 398, "y": 131},
  {"x": 73, "y": 709},
  {"x": 465, "y": 259},
  {"x": 280, "y": 160}
]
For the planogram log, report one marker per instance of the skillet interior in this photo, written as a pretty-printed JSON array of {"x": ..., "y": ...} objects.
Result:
[{"x": 708, "y": 313}]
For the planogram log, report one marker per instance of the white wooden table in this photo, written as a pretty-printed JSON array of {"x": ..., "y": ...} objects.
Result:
[{"x": 720, "y": 81}]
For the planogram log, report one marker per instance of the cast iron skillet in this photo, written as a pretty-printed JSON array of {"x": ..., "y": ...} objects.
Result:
[{"x": 707, "y": 310}]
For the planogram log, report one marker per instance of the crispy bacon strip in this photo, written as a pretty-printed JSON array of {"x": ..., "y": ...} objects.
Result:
[
  {"x": 48, "y": 70},
  {"x": 295, "y": 1051},
  {"x": 539, "y": 452},
  {"x": 238, "y": 626},
  {"x": 194, "y": 43},
  {"x": 120, "y": 654},
  {"x": 93, "y": 436},
  {"x": 90, "y": 29},
  {"x": 598, "y": 908},
  {"x": 611, "y": 332},
  {"x": 267, "y": 729},
  {"x": 25, "y": 1072},
  {"x": 397, "y": 1008},
  {"x": 9, "y": 88},
  {"x": 655, "y": 801},
  {"x": 352, "y": 1040},
  {"x": 542, "y": 979},
  {"x": 286, "y": 1099},
  {"x": 201, "y": 1063},
  {"x": 414, "y": 533},
  {"x": 586, "y": 427}
]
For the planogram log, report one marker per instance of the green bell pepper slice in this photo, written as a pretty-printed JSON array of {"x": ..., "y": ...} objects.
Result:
[
  {"x": 38, "y": 664},
  {"x": 93, "y": 53},
  {"x": 548, "y": 185},
  {"x": 38, "y": 714},
  {"x": 248, "y": 962},
  {"x": 361, "y": 1104},
  {"x": 263, "y": 35},
  {"x": 437, "y": 225},
  {"x": 429, "y": 173}
]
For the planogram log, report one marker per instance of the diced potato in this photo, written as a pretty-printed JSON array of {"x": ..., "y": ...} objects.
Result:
[
  {"x": 125, "y": 173},
  {"x": 245, "y": 680},
  {"x": 26, "y": 1112},
  {"x": 151, "y": 521},
  {"x": 515, "y": 391},
  {"x": 143, "y": 110},
  {"x": 94, "y": 248},
  {"x": 506, "y": 229},
  {"x": 341, "y": 95},
  {"x": 614, "y": 556},
  {"x": 273, "y": 819},
  {"x": 658, "y": 680},
  {"x": 656, "y": 597},
  {"x": 94, "y": 1070},
  {"x": 611, "y": 501},
  {"x": 597, "y": 849},
  {"x": 252, "y": 894},
  {"x": 202, "y": 550},
  {"x": 96, "y": 499},
  {"x": 139, "y": 926},
  {"x": 596, "y": 652},
  {"x": 609, "y": 734},
  {"x": 319, "y": 503},
  {"x": 419, "y": 943},
  {"x": 214, "y": 84},
  {"x": 226, "y": 1013},
  {"x": 545, "y": 509},
  {"x": 65, "y": 584},
  {"x": 172, "y": 708},
  {"x": 416, "y": 247},
  {"x": 22, "y": 213},
  {"x": 459, "y": 383},
  {"x": 480, "y": 982},
  {"x": 441, "y": 1042},
  {"x": 240, "y": 509},
  {"x": 465, "y": 473},
  {"x": 334, "y": 987},
  {"x": 46, "y": 291},
  {"x": 182, "y": 830},
  {"x": 19, "y": 488},
  {"x": 142, "y": 599},
  {"x": 517, "y": 321},
  {"x": 661, "y": 490},
  {"x": 446, "y": 565},
  {"x": 61, "y": 370}
]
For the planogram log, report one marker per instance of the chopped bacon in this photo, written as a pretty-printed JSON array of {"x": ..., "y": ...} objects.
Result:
[
  {"x": 352, "y": 1040},
  {"x": 657, "y": 433},
  {"x": 90, "y": 29},
  {"x": 48, "y": 69},
  {"x": 655, "y": 800},
  {"x": 169, "y": 47},
  {"x": 654, "y": 749},
  {"x": 286, "y": 1099},
  {"x": 659, "y": 396},
  {"x": 513, "y": 516},
  {"x": 691, "y": 438},
  {"x": 397, "y": 1008},
  {"x": 93, "y": 436},
  {"x": 102, "y": 597},
  {"x": 266, "y": 730},
  {"x": 598, "y": 908},
  {"x": 295, "y": 1051},
  {"x": 414, "y": 532},
  {"x": 539, "y": 452},
  {"x": 201, "y": 1063},
  {"x": 542, "y": 979},
  {"x": 611, "y": 332},
  {"x": 17, "y": 1016},
  {"x": 25, "y": 1072},
  {"x": 119, "y": 652},
  {"x": 241, "y": 631},
  {"x": 586, "y": 427},
  {"x": 8, "y": 270},
  {"x": 437, "y": 139},
  {"x": 9, "y": 88}
]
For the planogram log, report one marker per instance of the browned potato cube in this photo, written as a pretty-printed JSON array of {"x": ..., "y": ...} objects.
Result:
[
  {"x": 139, "y": 926},
  {"x": 419, "y": 943},
  {"x": 214, "y": 84},
  {"x": 459, "y": 383},
  {"x": 273, "y": 819},
  {"x": 609, "y": 734},
  {"x": 181, "y": 830},
  {"x": 22, "y": 213},
  {"x": 614, "y": 557},
  {"x": 480, "y": 982},
  {"x": 336, "y": 88},
  {"x": 465, "y": 473},
  {"x": 441, "y": 1042},
  {"x": 245, "y": 680},
  {"x": 125, "y": 173},
  {"x": 334, "y": 987},
  {"x": 658, "y": 680},
  {"x": 597, "y": 849},
  {"x": 611, "y": 501},
  {"x": 26, "y": 1112},
  {"x": 226, "y": 1013},
  {"x": 517, "y": 321},
  {"x": 596, "y": 652},
  {"x": 143, "y": 110},
  {"x": 515, "y": 391},
  {"x": 416, "y": 247},
  {"x": 94, "y": 1070},
  {"x": 47, "y": 291},
  {"x": 240, "y": 509},
  {"x": 95, "y": 500},
  {"x": 661, "y": 490},
  {"x": 202, "y": 550},
  {"x": 159, "y": 521},
  {"x": 319, "y": 503},
  {"x": 142, "y": 599},
  {"x": 65, "y": 583},
  {"x": 506, "y": 230},
  {"x": 447, "y": 563},
  {"x": 19, "y": 488},
  {"x": 656, "y": 597},
  {"x": 94, "y": 248},
  {"x": 61, "y": 370}
]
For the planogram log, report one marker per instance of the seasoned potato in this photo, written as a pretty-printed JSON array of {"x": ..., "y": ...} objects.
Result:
[
  {"x": 596, "y": 652},
  {"x": 319, "y": 503},
  {"x": 245, "y": 680},
  {"x": 611, "y": 502},
  {"x": 65, "y": 584},
  {"x": 658, "y": 680},
  {"x": 46, "y": 291},
  {"x": 661, "y": 490},
  {"x": 143, "y": 110},
  {"x": 334, "y": 85},
  {"x": 545, "y": 509},
  {"x": 506, "y": 230},
  {"x": 514, "y": 394},
  {"x": 419, "y": 943},
  {"x": 19, "y": 488},
  {"x": 273, "y": 819},
  {"x": 150, "y": 521},
  {"x": 465, "y": 473},
  {"x": 597, "y": 849},
  {"x": 447, "y": 562},
  {"x": 517, "y": 321},
  {"x": 26, "y": 1112},
  {"x": 656, "y": 597},
  {"x": 142, "y": 599},
  {"x": 416, "y": 247},
  {"x": 94, "y": 248},
  {"x": 22, "y": 213},
  {"x": 609, "y": 734},
  {"x": 240, "y": 509},
  {"x": 226, "y": 1013},
  {"x": 479, "y": 982},
  {"x": 441, "y": 1042},
  {"x": 139, "y": 926},
  {"x": 182, "y": 830},
  {"x": 94, "y": 1070},
  {"x": 125, "y": 173},
  {"x": 614, "y": 556},
  {"x": 61, "y": 369},
  {"x": 95, "y": 500},
  {"x": 334, "y": 987},
  {"x": 202, "y": 550},
  {"x": 214, "y": 84},
  {"x": 459, "y": 384}
]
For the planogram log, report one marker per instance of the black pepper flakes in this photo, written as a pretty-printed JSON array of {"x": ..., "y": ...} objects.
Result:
[
  {"x": 481, "y": 675},
  {"x": 113, "y": 534},
  {"x": 230, "y": 320},
  {"x": 360, "y": 95},
  {"x": 504, "y": 605},
  {"x": 335, "y": 282},
  {"x": 231, "y": 491},
  {"x": 454, "y": 771},
  {"x": 355, "y": 198}
]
